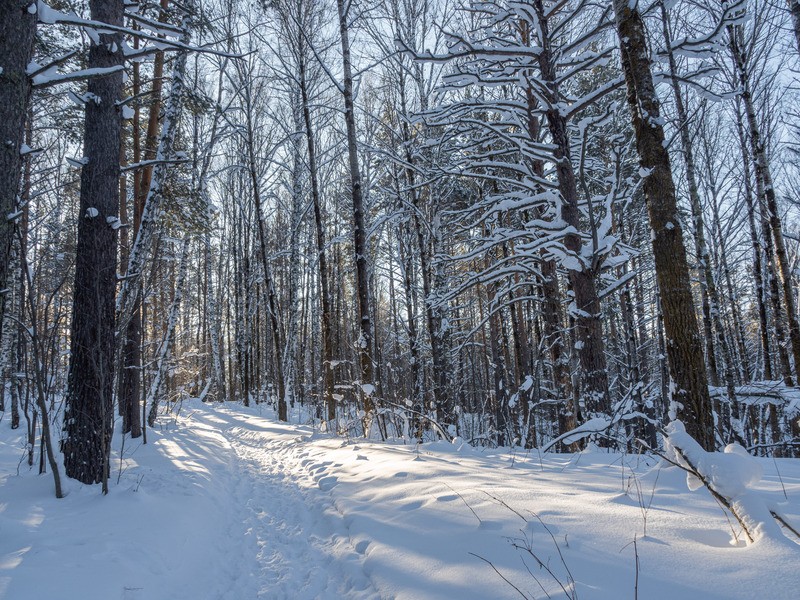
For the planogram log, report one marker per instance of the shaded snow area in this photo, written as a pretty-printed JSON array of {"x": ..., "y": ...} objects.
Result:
[{"x": 225, "y": 503}]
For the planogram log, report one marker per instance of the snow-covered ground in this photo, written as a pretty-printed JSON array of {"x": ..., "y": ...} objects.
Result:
[{"x": 226, "y": 503}]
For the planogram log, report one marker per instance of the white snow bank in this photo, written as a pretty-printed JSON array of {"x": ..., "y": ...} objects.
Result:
[
  {"x": 226, "y": 503},
  {"x": 733, "y": 474}
]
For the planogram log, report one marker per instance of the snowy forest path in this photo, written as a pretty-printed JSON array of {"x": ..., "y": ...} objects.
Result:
[
  {"x": 286, "y": 539},
  {"x": 225, "y": 503}
]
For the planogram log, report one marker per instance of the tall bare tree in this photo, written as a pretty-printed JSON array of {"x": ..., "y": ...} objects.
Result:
[{"x": 684, "y": 345}]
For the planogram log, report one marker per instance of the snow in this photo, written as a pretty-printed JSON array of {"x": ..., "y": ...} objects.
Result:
[
  {"x": 733, "y": 474},
  {"x": 224, "y": 502},
  {"x": 78, "y": 162}
]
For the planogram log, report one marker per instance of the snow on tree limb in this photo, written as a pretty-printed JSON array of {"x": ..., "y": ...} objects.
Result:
[{"x": 730, "y": 477}]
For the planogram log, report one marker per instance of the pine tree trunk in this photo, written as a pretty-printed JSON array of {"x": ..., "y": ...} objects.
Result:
[
  {"x": 89, "y": 410},
  {"x": 17, "y": 34},
  {"x": 686, "y": 364},
  {"x": 700, "y": 246}
]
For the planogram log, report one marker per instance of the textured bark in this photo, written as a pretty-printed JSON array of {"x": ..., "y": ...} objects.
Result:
[
  {"x": 686, "y": 364},
  {"x": 700, "y": 246},
  {"x": 17, "y": 34},
  {"x": 89, "y": 411},
  {"x": 130, "y": 378},
  {"x": 364, "y": 342},
  {"x": 794, "y": 9},
  {"x": 589, "y": 330}
]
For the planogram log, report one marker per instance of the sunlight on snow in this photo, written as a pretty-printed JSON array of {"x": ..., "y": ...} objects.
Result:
[
  {"x": 181, "y": 459},
  {"x": 13, "y": 559}
]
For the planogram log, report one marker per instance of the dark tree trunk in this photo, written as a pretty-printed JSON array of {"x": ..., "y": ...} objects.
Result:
[
  {"x": 589, "y": 331},
  {"x": 17, "y": 33},
  {"x": 130, "y": 379},
  {"x": 89, "y": 411},
  {"x": 364, "y": 342},
  {"x": 794, "y": 9},
  {"x": 684, "y": 350}
]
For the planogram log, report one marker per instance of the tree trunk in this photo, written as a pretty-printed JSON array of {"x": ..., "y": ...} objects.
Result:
[
  {"x": 767, "y": 192},
  {"x": 154, "y": 394},
  {"x": 322, "y": 256},
  {"x": 434, "y": 314},
  {"x": 586, "y": 310},
  {"x": 89, "y": 410},
  {"x": 130, "y": 386},
  {"x": 17, "y": 34},
  {"x": 364, "y": 343},
  {"x": 686, "y": 365},
  {"x": 794, "y": 9}
]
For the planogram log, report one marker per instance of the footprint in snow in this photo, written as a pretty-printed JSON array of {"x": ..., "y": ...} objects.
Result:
[
  {"x": 447, "y": 498},
  {"x": 361, "y": 547},
  {"x": 327, "y": 483}
]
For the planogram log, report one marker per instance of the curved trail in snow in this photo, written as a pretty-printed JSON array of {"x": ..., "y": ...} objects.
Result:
[
  {"x": 319, "y": 517},
  {"x": 286, "y": 539}
]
